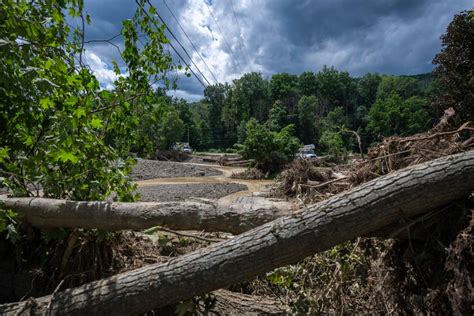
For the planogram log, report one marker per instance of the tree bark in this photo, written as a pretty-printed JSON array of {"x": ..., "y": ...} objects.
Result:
[
  {"x": 366, "y": 208},
  {"x": 231, "y": 303},
  {"x": 113, "y": 216}
]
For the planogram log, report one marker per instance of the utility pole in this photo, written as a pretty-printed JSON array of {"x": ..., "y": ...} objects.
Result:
[{"x": 188, "y": 134}]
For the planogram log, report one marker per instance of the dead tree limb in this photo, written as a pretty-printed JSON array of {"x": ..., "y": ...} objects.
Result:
[
  {"x": 359, "y": 140},
  {"x": 113, "y": 216},
  {"x": 317, "y": 186},
  {"x": 357, "y": 212}
]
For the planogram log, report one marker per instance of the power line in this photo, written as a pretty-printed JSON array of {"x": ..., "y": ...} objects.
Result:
[
  {"x": 190, "y": 41},
  {"x": 169, "y": 30},
  {"x": 222, "y": 34},
  {"x": 240, "y": 33},
  {"x": 162, "y": 21},
  {"x": 175, "y": 50}
]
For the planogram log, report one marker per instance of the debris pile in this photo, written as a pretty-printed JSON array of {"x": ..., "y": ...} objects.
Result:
[
  {"x": 314, "y": 180},
  {"x": 431, "y": 272},
  {"x": 171, "y": 155},
  {"x": 399, "y": 152},
  {"x": 249, "y": 174},
  {"x": 309, "y": 180}
]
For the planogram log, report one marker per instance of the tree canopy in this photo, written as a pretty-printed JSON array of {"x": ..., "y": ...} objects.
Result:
[
  {"x": 60, "y": 131},
  {"x": 455, "y": 67}
]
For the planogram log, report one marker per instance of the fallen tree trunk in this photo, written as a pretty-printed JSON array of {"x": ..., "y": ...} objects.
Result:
[
  {"x": 113, "y": 216},
  {"x": 369, "y": 207}
]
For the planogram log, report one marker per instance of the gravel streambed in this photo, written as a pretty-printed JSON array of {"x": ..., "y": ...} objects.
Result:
[
  {"x": 152, "y": 169},
  {"x": 182, "y": 192}
]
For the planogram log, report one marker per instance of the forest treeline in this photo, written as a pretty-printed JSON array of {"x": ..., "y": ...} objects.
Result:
[{"x": 317, "y": 108}]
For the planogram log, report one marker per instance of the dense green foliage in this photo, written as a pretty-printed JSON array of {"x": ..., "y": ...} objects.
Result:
[
  {"x": 395, "y": 116},
  {"x": 456, "y": 67},
  {"x": 59, "y": 130},
  {"x": 333, "y": 139},
  {"x": 269, "y": 149},
  {"x": 373, "y": 105}
]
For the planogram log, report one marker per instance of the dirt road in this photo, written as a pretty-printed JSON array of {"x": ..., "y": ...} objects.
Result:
[{"x": 215, "y": 184}]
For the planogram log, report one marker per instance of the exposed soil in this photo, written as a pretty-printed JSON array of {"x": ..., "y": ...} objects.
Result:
[
  {"x": 150, "y": 169},
  {"x": 181, "y": 192}
]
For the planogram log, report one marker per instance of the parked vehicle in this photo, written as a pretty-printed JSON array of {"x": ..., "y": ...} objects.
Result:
[
  {"x": 187, "y": 149},
  {"x": 307, "y": 152}
]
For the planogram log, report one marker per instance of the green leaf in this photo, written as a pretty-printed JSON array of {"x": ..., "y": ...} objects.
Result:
[
  {"x": 65, "y": 156},
  {"x": 70, "y": 101},
  {"x": 48, "y": 64},
  {"x": 96, "y": 122},
  {"x": 46, "y": 103},
  {"x": 80, "y": 112},
  {"x": 3, "y": 153},
  {"x": 115, "y": 67},
  {"x": 13, "y": 234}
]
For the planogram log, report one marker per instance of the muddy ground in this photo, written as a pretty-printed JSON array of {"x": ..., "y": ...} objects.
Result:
[
  {"x": 181, "y": 192},
  {"x": 151, "y": 169}
]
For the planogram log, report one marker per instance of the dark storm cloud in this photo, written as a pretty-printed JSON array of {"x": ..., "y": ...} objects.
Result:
[
  {"x": 310, "y": 22},
  {"x": 398, "y": 37},
  {"x": 359, "y": 36}
]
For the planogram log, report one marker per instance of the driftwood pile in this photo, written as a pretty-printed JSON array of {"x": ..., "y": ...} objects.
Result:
[
  {"x": 227, "y": 160},
  {"x": 399, "y": 152},
  {"x": 318, "y": 179}
]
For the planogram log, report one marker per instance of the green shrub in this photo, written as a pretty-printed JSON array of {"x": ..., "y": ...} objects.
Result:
[{"x": 269, "y": 149}]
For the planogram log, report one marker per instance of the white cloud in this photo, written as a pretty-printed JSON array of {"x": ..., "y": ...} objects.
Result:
[
  {"x": 181, "y": 94},
  {"x": 227, "y": 63},
  {"x": 101, "y": 70}
]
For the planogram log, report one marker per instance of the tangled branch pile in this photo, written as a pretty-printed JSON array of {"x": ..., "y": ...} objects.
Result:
[
  {"x": 315, "y": 180},
  {"x": 399, "y": 152},
  {"x": 428, "y": 273},
  {"x": 302, "y": 175}
]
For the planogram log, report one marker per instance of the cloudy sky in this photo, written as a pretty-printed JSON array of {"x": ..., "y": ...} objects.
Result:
[{"x": 272, "y": 36}]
